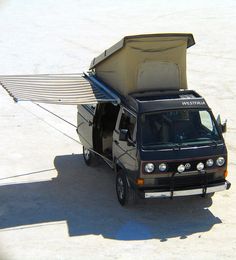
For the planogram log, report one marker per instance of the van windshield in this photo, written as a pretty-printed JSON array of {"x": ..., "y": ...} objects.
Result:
[{"x": 178, "y": 127}]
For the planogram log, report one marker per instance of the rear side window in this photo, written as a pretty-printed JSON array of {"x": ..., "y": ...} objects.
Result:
[{"x": 128, "y": 121}]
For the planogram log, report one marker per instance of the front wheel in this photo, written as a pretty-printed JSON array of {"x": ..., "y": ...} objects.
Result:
[
  {"x": 89, "y": 157},
  {"x": 210, "y": 195},
  {"x": 126, "y": 195}
]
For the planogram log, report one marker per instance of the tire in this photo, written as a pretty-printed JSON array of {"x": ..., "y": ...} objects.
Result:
[
  {"x": 89, "y": 157},
  {"x": 210, "y": 195},
  {"x": 126, "y": 195}
]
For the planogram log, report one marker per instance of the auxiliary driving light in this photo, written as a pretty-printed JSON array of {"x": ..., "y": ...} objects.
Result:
[
  {"x": 209, "y": 162},
  {"x": 162, "y": 167},
  {"x": 181, "y": 168},
  {"x": 200, "y": 166},
  {"x": 187, "y": 166},
  {"x": 149, "y": 167}
]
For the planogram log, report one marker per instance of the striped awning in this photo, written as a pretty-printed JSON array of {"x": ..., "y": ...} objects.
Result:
[{"x": 64, "y": 89}]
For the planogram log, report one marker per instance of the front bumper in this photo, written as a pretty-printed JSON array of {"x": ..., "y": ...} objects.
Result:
[{"x": 187, "y": 192}]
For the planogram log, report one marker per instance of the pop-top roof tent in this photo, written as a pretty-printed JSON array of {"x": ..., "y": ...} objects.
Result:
[
  {"x": 136, "y": 63},
  {"x": 145, "y": 62}
]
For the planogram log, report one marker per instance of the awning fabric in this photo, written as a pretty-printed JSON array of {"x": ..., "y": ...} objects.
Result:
[{"x": 64, "y": 89}]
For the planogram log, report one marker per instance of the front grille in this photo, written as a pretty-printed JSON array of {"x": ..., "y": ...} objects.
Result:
[{"x": 186, "y": 181}]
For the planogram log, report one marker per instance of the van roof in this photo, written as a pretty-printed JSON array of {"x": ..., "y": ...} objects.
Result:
[{"x": 165, "y": 100}]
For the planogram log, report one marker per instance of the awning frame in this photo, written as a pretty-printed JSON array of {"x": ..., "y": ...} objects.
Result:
[{"x": 64, "y": 89}]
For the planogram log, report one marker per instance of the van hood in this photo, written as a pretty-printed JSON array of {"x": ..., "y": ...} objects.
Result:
[{"x": 183, "y": 153}]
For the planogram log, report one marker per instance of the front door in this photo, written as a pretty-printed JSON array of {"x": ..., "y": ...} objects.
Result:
[{"x": 125, "y": 152}]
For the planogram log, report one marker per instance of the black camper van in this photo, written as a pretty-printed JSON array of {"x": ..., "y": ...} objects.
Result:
[
  {"x": 160, "y": 144},
  {"x": 161, "y": 139}
]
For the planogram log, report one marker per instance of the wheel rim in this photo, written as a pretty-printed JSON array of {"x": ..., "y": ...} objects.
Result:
[
  {"x": 120, "y": 188},
  {"x": 87, "y": 154}
]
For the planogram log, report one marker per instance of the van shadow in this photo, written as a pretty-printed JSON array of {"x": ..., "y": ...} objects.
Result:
[{"x": 85, "y": 198}]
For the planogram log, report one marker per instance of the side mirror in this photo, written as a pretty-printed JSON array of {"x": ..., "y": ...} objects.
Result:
[
  {"x": 218, "y": 120},
  {"x": 123, "y": 135},
  {"x": 222, "y": 126}
]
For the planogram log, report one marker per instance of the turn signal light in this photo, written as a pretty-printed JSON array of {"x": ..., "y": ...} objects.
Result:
[
  {"x": 140, "y": 181},
  {"x": 226, "y": 173}
]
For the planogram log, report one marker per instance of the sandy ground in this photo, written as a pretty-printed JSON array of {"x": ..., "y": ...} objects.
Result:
[{"x": 54, "y": 207}]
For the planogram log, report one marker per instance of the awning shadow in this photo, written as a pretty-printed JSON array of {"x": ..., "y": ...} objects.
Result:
[{"x": 86, "y": 199}]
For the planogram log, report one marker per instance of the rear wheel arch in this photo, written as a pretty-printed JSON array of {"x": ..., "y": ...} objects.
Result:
[{"x": 89, "y": 157}]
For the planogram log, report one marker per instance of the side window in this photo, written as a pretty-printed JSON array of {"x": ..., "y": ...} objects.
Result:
[
  {"x": 206, "y": 120},
  {"x": 128, "y": 121}
]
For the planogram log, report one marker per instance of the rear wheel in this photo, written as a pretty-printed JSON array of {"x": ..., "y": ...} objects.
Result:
[
  {"x": 89, "y": 156},
  {"x": 126, "y": 195}
]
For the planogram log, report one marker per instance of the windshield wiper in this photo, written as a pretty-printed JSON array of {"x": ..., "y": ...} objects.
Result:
[
  {"x": 176, "y": 147},
  {"x": 214, "y": 143}
]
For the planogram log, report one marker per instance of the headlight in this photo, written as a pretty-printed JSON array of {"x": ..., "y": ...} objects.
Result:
[
  {"x": 162, "y": 167},
  {"x": 181, "y": 168},
  {"x": 220, "y": 161},
  {"x": 149, "y": 167},
  {"x": 209, "y": 162},
  {"x": 200, "y": 166}
]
